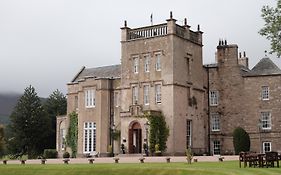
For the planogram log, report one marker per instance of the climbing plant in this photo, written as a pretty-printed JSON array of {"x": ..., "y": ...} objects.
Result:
[
  {"x": 158, "y": 132},
  {"x": 72, "y": 135}
]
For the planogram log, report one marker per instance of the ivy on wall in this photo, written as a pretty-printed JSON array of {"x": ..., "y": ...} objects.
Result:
[
  {"x": 158, "y": 132},
  {"x": 72, "y": 135}
]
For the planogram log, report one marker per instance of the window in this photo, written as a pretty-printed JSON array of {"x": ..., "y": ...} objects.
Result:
[
  {"x": 146, "y": 94},
  {"x": 266, "y": 146},
  {"x": 158, "y": 62},
  {"x": 188, "y": 133},
  {"x": 146, "y": 63},
  {"x": 136, "y": 65},
  {"x": 62, "y": 138},
  {"x": 158, "y": 93},
  {"x": 215, "y": 122},
  {"x": 76, "y": 102},
  {"x": 214, "y": 98},
  {"x": 217, "y": 147},
  {"x": 90, "y": 99},
  {"x": 265, "y": 93},
  {"x": 266, "y": 120},
  {"x": 116, "y": 99},
  {"x": 135, "y": 95},
  {"x": 89, "y": 137}
]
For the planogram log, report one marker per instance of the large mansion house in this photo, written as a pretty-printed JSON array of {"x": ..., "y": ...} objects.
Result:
[{"x": 161, "y": 71}]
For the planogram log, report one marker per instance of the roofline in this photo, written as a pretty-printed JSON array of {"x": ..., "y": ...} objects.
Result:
[
  {"x": 262, "y": 75},
  {"x": 81, "y": 70},
  {"x": 95, "y": 78}
]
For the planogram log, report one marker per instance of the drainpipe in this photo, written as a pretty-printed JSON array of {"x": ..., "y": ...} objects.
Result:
[
  {"x": 208, "y": 111},
  {"x": 111, "y": 115}
]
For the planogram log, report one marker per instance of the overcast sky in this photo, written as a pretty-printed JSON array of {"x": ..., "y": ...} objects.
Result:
[{"x": 44, "y": 43}]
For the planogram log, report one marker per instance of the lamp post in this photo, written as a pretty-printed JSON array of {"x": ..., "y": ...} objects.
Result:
[
  {"x": 112, "y": 137},
  {"x": 146, "y": 125},
  {"x": 260, "y": 128}
]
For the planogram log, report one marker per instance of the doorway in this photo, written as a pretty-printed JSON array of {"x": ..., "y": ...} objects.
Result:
[{"x": 135, "y": 138}]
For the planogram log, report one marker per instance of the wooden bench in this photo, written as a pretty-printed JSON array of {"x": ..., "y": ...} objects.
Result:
[
  {"x": 220, "y": 159},
  {"x": 43, "y": 161},
  {"x": 168, "y": 159},
  {"x": 22, "y": 162},
  {"x": 65, "y": 161},
  {"x": 5, "y": 162},
  {"x": 116, "y": 159},
  {"x": 91, "y": 160},
  {"x": 141, "y": 159},
  {"x": 271, "y": 158},
  {"x": 93, "y": 154}
]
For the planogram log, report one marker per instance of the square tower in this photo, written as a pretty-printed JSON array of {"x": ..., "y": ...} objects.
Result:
[{"x": 161, "y": 70}]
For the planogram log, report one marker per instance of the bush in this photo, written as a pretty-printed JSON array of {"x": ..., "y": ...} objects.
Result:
[
  {"x": 66, "y": 155},
  {"x": 50, "y": 153},
  {"x": 241, "y": 140}
]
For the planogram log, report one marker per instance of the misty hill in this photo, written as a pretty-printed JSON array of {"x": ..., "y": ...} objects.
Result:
[{"x": 7, "y": 103}]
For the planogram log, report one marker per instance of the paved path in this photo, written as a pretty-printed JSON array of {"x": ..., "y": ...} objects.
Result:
[{"x": 126, "y": 160}]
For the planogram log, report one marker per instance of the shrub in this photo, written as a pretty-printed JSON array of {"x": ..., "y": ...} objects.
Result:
[
  {"x": 50, "y": 153},
  {"x": 189, "y": 155},
  {"x": 66, "y": 155},
  {"x": 241, "y": 140}
]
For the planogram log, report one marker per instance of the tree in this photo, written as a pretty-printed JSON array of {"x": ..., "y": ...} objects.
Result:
[
  {"x": 1, "y": 140},
  {"x": 54, "y": 106},
  {"x": 272, "y": 27},
  {"x": 241, "y": 140},
  {"x": 158, "y": 133},
  {"x": 29, "y": 126}
]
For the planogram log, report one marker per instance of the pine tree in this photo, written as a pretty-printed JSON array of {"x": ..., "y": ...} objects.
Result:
[
  {"x": 1, "y": 140},
  {"x": 29, "y": 126},
  {"x": 54, "y": 106}
]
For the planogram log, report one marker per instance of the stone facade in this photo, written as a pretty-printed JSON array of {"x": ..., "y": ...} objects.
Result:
[
  {"x": 241, "y": 103},
  {"x": 162, "y": 71}
]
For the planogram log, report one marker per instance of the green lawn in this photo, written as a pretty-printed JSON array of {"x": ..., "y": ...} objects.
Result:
[{"x": 215, "y": 168}]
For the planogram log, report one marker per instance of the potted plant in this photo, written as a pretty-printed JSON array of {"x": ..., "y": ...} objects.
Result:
[{"x": 157, "y": 150}]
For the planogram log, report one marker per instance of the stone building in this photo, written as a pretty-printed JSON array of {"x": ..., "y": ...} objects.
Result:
[
  {"x": 161, "y": 70},
  {"x": 240, "y": 97}
]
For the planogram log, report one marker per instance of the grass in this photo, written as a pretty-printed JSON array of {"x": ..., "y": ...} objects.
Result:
[{"x": 200, "y": 168}]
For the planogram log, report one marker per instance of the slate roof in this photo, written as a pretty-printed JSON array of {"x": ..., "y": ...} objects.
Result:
[
  {"x": 264, "y": 67},
  {"x": 113, "y": 71}
]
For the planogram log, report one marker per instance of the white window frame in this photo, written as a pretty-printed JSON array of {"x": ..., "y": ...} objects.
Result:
[
  {"x": 158, "y": 61},
  {"x": 136, "y": 65},
  {"x": 146, "y": 94},
  {"x": 214, "y": 97},
  {"x": 89, "y": 137},
  {"x": 266, "y": 147},
  {"x": 90, "y": 98},
  {"x": 76, "y": 102},
  {"x": 188, "y": 133},
  {"x": 135, "y": 95},
  {"x": 62, "y": 138},
  {"x": 158, "y": 93},
  {"x": 216, "y": 147},
  {"x": 266, "y": 120},
  {"x": 146, "y": 63},
  {"x": 116, "y": 99},
  {"x": 215, "y": 122},
  {"x": 265, "y": 93}
]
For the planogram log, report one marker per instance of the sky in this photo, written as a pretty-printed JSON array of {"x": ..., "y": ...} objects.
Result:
[{"x": 44, "y": 43}]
